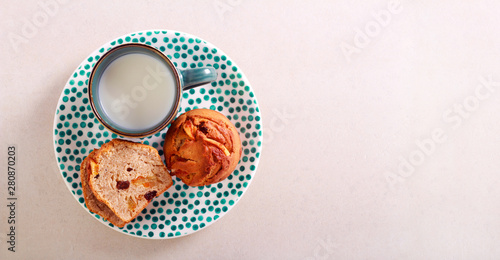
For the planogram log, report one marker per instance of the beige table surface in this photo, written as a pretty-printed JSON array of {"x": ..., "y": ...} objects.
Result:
[{"x": 380, "y": 123}]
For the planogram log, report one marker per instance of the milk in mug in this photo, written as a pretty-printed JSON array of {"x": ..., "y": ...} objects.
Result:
[{"x": 137, "y": 91}]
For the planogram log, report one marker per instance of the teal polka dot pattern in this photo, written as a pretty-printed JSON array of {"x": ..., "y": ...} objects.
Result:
[{"x": 181, "y": 210}]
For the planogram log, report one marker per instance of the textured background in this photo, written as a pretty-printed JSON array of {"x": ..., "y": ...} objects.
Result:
[{"x": 351, "y": 93}]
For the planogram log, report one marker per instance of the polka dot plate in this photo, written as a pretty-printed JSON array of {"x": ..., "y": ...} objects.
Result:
[{"x": 181, "y": 210}]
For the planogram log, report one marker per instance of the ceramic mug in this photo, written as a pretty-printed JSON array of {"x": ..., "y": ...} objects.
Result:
[{"x": 135, "y": 90}]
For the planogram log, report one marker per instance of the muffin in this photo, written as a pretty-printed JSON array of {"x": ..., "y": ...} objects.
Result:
[
  {"x": 202, "y": 147},
  {"x": 124, "y": 176}
]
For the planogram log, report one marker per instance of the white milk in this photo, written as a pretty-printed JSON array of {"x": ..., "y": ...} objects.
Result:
[{"x": 137, "y": 91}]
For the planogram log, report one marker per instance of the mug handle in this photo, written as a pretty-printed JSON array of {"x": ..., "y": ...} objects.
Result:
[{"x": 192, "y": 78}]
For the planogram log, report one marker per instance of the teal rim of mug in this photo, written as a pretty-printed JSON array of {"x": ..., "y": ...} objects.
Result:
[{"x": 97, "y": 72}]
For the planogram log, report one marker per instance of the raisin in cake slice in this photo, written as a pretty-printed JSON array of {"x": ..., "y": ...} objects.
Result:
[{"x": 126, "y": 176}]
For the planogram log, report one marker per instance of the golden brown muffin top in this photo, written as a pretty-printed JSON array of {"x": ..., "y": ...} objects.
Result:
[{"x": 202, "y": 147}]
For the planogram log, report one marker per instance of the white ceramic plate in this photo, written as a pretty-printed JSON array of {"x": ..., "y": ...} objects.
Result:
[{"x": 181, "y": 210}]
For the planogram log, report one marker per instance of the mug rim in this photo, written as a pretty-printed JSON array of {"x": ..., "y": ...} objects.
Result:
[{"x": 165, "y": 122}]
